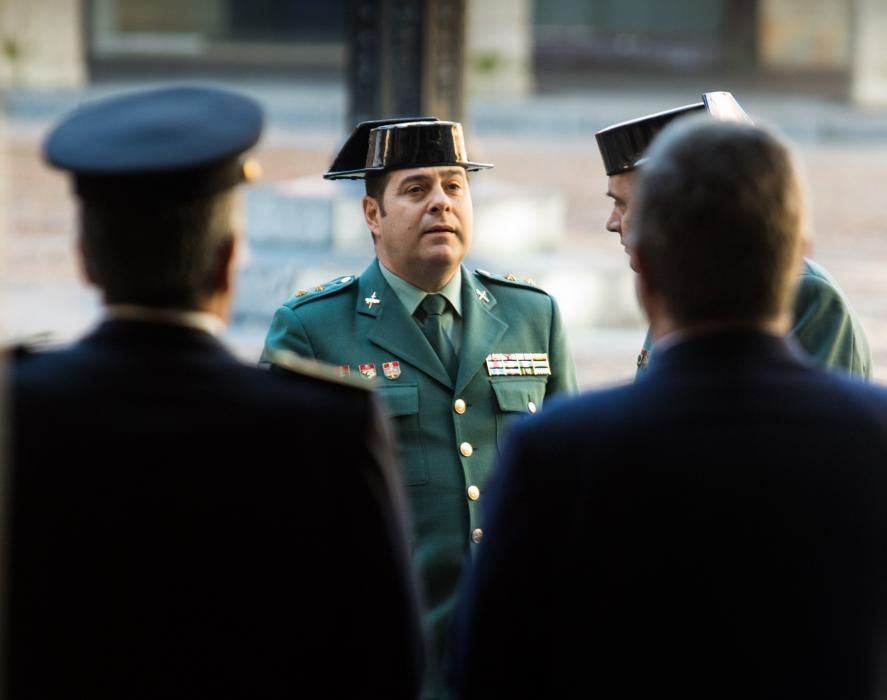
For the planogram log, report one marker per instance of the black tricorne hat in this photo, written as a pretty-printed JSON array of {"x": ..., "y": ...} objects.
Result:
[
  {"x": 394, "y": 144},
  {"x": 165, "y": 144},
  {"x": 622, "y": 145}
]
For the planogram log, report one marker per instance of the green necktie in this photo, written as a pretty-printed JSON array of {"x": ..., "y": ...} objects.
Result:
[{"x": 434, "y": 305}]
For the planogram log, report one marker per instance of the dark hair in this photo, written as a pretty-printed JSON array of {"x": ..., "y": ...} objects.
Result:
[
  {"x": 375, "y": 184},
  {"x": 157, "y": 255},
  {"x": 718, "y": 218}
]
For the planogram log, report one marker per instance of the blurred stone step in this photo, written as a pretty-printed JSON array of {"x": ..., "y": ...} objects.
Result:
[
  {"x": 310, "y": 213},
  {"x": 590, "y": 292}
]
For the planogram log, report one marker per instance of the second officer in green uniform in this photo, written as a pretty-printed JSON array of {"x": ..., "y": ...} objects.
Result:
[{"x": 455, "y": 353}]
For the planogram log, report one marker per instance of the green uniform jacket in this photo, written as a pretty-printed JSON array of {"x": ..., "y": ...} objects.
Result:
[
  {"x": 823, "y": 325},
  {"x": 449, "y": 436}
]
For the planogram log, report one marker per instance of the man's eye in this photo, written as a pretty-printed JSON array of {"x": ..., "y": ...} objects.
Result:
[{"x": 414, "y": 189}]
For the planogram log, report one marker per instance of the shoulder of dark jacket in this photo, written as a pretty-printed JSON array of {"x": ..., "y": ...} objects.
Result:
[
  {"x": 320, "y": 291},
  {"x": 287, "y": 362},
  {"x": 509, "y": 280}
]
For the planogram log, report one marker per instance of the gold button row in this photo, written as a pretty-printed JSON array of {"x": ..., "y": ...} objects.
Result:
[
  {"x": 473, "y": 492},
  {"x": 459, "y": 406},
  {"x": 466, "y": 449}
]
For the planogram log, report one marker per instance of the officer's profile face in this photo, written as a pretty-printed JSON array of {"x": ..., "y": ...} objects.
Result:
[
  {"x": 619, "y": 189},
  {"x": 425, "y": 230}
]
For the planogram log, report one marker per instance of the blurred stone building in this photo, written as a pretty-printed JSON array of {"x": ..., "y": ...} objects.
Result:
[{"x": 512, "y": 46}]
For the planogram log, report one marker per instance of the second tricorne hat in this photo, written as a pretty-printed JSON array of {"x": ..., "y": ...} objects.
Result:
[{"x": 622, "y": 145}]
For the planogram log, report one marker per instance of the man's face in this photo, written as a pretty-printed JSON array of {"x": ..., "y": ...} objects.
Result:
[
  {"x": 619, "y": 190},
  {"x": 426, "y": 229}
]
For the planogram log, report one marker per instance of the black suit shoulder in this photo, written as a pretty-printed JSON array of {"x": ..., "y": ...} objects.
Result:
[{"x": 206, "y": 514}]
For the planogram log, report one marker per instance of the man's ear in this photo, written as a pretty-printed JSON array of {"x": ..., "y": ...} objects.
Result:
[
  {"x": 372, "y": 214},
  {"x": 806, "y": 248},
  {"x": 87, "y": 268},
  {"x": 226, "y": 259},
  {"x": 650, "y": 299},
  {"x": 644, "y": 284}
]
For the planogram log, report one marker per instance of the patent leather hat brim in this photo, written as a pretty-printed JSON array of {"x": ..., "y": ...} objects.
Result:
[
  {"x": 413, "y": 144},
  {"x": 622, "y": 145}
]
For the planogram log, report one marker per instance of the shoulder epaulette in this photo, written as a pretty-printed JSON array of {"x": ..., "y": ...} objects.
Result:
[
  {"x": 510, "y": 279},
  {"x": 301, "y": 296},
  {"x": 309, "y": 367},
  {"x": 28, "y": 346},
  {"x": 16, "y": 353}
]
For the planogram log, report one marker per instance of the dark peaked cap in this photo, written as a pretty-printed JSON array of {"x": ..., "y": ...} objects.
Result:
[
  {"x": 166, "y": 144},
  {"x": 393, "y": 144},
  {"x": 622, "y": 145}
]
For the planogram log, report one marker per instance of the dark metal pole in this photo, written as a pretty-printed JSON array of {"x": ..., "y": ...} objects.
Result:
[{"x": 406, "y": 58}]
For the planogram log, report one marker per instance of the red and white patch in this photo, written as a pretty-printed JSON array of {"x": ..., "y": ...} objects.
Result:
[{"x": 391, "y": 370}]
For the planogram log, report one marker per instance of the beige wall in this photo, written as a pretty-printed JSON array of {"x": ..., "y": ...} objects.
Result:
[
  {"x": 869, "y": 78},
  {"x": 499, "y": 47},
  {"x": 41, "y": 44},
  {"x": 805, "y": 34}
]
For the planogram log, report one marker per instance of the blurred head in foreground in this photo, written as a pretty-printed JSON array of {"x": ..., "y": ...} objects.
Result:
[
  {"x": 718, "y": 227},
  {"x": 155, "y": 172}
]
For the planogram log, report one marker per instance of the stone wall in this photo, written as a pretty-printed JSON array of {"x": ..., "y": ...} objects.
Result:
[
  {"x": 42, "y": 44},
  {"x": 805, "y": 34},
  {"x": 499, "y": 47},
  {"x": 869, "y": 78}
]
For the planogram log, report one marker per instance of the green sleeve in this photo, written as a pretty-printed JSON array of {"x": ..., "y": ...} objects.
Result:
[
  {"x": 826, "y": 329},
  {"x": 563, "y": 370},
  {"x": 287, "y": 333}
]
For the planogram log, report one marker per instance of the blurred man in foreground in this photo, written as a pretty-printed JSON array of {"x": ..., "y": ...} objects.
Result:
[
  {"x": 719, "y": 527},
  {"x": 823, "y": 323},
  {"x": 161, "y": 545}
]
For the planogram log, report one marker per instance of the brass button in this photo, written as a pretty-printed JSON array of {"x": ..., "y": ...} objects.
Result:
[
  {"x": 473, "y": 492},
  {"x": 459, "y": 406},
  {"x": 251, "y": 169},
  {"x": 531, "y": 407},
  {"x": 477, "y": 535},
  {"x": 466, "y": 449}
]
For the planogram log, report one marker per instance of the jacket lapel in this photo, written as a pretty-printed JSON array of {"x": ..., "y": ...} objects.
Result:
[
  {"x": 482, "y": 328},
  {"x": 394, "y": 330}
]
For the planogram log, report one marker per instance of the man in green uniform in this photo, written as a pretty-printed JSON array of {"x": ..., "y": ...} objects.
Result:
[
  {"x": 823, "y": 324},
  {"x": 456, "y": 354}
]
